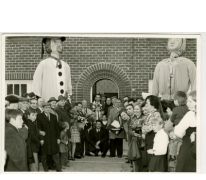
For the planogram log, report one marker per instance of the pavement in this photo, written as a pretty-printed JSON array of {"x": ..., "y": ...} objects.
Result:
[{"x": 99, "y": 164}]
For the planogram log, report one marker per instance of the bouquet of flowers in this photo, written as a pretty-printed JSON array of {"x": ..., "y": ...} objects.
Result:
[
  {"x": 94, "y": 104},
  {"x": 115, "y": 127}
]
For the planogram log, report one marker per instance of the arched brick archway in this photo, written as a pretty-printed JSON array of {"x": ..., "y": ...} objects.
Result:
[{"x": 102, "y": 71}]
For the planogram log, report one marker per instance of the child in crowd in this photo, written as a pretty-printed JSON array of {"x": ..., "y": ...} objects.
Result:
[
  {"x": 63, "y": 146},
  {"x": 75, "y": 136},
  {"x": 158, "y": 161},
  {"x": 33, "y": 143},
  {"x": 104, "y": 121},
  {"x": 178, "y": 113}
]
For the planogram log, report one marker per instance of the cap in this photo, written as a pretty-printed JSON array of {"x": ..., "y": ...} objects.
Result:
[
  {"x": 52, "y": 99},
  {"x": 44, "y": 40},
  {"x": 12, "y": 98},
  {"x": 61, "y": 98},
  {"x": 23, "y": 99},
  {"x": 46, "y": 104}
]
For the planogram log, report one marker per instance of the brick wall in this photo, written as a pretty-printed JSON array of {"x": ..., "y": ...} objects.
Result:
[{"x": 135, "y": 59}]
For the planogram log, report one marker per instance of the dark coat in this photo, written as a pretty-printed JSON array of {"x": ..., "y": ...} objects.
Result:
[
  {"x": 33, "y": 138},
  {"x": 102, "y": 136},
  {"x": 38, "y": 110},
  {"x": 51, "y": 128},
  {"x": 63, "y": 147},
  {"x": 16, "y": 150},
  {"x": 63, "y": 116}
]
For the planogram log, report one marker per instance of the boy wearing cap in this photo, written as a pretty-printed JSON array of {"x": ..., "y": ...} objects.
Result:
[
  {"x": 47, "y": 122},
  {"x": 23, "y": 107},
  {"x": 15, "y": 145},
  {"x": 14, "y": 104},
  {"x": 52, "y": 76}
]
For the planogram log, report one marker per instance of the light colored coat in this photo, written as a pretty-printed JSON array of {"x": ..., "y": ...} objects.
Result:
[
  {"x": 114, "y": 115},
  {"x": 45, "y": 79}
]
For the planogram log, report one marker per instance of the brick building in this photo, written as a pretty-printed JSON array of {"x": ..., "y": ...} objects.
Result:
[{"x": 122, "y": 66}]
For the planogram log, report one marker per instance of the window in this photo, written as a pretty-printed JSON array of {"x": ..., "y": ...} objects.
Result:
[{"x": 18, "y": 87}]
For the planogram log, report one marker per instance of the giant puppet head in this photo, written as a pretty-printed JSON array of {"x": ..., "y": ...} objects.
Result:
[
  {"x": 53, "y": 45},
  {"x": 176, "y": 45}
]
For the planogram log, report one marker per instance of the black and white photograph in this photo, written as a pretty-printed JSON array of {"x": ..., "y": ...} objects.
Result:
[{"x": 101, "y": 102}]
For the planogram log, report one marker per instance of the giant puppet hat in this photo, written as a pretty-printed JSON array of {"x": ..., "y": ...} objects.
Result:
[{"x": 45, "y": 39}]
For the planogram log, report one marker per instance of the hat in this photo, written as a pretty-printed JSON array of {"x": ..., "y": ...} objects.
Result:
[
  {"x": 33, "y": 96},
  {"x": 46, "y": 104},
  {"x": 52, "y": 99},
  {"x": 44, "y": 40},
  {"x": 61, "y": 97},
  {"x": 12, "y": 98},
  {"x": 23, "y": 99}
]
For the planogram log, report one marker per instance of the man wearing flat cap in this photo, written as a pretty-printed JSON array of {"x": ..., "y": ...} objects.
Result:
[
  {"x": 52, "y": 76},
  {"x": 47, "y": 122}
]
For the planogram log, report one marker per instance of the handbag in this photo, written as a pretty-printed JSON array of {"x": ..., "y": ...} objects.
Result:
[{"x": 133, "y": 151}]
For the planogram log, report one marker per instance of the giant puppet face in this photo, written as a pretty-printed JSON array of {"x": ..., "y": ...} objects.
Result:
[
  {"x": 56, "y": 46},
  {"x": 177, "y": 45},
  {"x": 174, "y": 44}
]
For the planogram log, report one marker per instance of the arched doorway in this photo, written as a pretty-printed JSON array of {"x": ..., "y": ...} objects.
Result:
[
  {"x": 100, "y": 71},
  {"x": 105, "y": 87}
]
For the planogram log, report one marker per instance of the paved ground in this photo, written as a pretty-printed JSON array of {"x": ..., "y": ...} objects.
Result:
[{"x": 99, "y": 164}]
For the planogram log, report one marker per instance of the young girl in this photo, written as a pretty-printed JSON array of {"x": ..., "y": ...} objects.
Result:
[
  {"x": 158, "y": 162},
  {"x": 185, "y": 160},
  {"x": 104, "y": 121},
  {"x": 75, "y": 137},
  {"x": 63, "y": 146}
]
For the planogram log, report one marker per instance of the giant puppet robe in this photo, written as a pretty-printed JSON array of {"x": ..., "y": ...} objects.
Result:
[
  {"x": 49, "y": 80},
  {"x": 184, "y": 76}
]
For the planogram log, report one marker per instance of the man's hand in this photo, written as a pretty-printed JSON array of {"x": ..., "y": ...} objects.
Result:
[
  {"x": 150, "y": 151},
  {"x": 42, "y": 142},
  {"x": 192, "y": 137},
  {"x": 42, "y": 133},
  {"x": 98, "y": 142},
  {"x": 24, "y": 125},
  {"x": 58, "y": 141},
  {"x": 135, "y": 134},
  {"x": 172, "y": 135},
  {"x": 97, "y": 147},
  {"x": 66, "y": 142},
  {"x": 143, "y": 136}
]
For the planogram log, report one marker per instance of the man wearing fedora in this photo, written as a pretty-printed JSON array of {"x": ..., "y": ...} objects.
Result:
[
  {"x": 53, "y": 103},
  {"x": 52, "y": 76},
  {"x": 47, "y": 122}
]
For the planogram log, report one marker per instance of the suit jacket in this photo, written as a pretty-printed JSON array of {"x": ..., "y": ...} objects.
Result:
[
  {"x": 15, "y": 147},
  {"x": 51, "y": 128},
  {"x": 38, "y": 110},
  {"x": 63, "y": 115},
  {"x": 100, "y": 115},
  {"x": 102, "y": 136},
  {"x": 114, "y": 115},
  {"x": 109, "y": 109}
]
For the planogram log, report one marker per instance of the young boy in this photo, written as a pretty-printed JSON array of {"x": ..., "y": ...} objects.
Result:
[
  {"x": 178, "y": 113},
  {"x": 33, "y": 143},
  {"x": 15, "y": 145}
]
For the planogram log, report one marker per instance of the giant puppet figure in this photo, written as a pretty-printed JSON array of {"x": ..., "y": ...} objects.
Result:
[
  {"x": 175, "y": 73},
  {"x": 52, "y": 76}
]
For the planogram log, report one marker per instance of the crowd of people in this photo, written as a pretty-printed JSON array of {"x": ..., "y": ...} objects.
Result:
[{"x": 160, "y": 134}]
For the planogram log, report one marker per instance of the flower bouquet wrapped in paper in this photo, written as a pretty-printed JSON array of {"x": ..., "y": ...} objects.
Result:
[{"x": 115, "y": 127}]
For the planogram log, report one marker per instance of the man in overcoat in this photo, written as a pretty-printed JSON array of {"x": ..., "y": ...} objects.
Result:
[{"x": 47, "y": 122}]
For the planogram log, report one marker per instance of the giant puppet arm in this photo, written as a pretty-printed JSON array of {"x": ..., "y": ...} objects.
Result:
[{"x": 37, "y": 80}]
